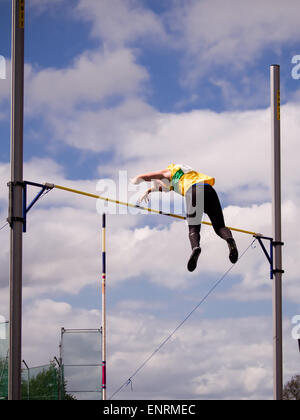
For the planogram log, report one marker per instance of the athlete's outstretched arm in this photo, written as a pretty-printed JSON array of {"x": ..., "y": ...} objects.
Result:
[
  {"x": 162, "y": 174},
  {"x": 156, "y": 185}
]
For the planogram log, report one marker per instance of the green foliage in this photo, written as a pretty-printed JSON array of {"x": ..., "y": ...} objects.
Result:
[
  {"x": 40, "y": 383},
  {"x": 43, "y": 383},
  {"x": 69, "y": 397},
  {"x": 3, "y": 378},
  {"x": 291, "y": 389}
]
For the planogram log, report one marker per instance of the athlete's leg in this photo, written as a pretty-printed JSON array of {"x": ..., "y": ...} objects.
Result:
[
  {"x": 194, "y": 200},
  {"x": 213, "y": 209},
  {"x": 194, "y": 235},
  {"x": 194, "y": 212}
]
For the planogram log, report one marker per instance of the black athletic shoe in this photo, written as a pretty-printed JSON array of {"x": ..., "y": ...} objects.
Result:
[
  {"x": 192, "y": 264},
  {"x": 233, "y": 252}
]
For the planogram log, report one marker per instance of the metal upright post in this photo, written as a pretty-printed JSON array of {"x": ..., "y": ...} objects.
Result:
[
  {"x": 276, "y": 217},
  {"x": 103, "y": 308},
  {"x": 15, "y": 216}
]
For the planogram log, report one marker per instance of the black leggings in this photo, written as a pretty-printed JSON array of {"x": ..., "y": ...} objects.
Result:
[{"x": 207, "y": 197}]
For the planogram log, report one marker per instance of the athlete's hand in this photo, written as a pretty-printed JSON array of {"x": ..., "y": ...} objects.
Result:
[
  {"x": 144, "y": 197},
  {"x": 136, "y": 180}
]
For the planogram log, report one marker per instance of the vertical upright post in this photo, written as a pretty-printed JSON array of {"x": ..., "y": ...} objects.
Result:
[
  {"x": 15, "y": 199},
  {"x": 103, "y": 308},
  {"x": 276, "y": 217}
]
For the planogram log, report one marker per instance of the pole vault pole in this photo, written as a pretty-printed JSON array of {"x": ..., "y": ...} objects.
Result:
[
  {"x": 276, "y": 218},
  {"x": 103, "y": 307},
  {"x": 15, "y": 212}
]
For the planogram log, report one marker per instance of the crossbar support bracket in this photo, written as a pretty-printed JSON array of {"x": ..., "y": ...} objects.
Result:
[
  {"x": 26, "y": 208},
  {"x": 269, "y": 255}
]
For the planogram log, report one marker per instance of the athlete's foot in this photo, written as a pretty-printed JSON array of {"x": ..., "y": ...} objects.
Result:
[
  {"x": 192, "y": 264},
  {"x": 233, "y": 252}
]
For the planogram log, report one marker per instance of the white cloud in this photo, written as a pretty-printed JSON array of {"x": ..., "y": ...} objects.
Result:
[
  {"x": 42, "y": 5},
  {"x": 188, "y": 101},
  {"x": 105, "y": 129},
  {"x": 229, "y": 358},
  {"x": 119, "y": 22},
  {"x": 94, "y": 77},
  {"x": 250, "y": 92},
  {"x": 212, "y": 372},
  {"x": 254, "y": 376},
  {"x": 5, "y": 91},
  {"x": 43, "y": 320},
  {"x": 213, "y": 37}
]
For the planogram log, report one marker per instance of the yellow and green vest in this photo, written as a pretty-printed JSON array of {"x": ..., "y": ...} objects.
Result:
[{"x": 183, "y": 177}]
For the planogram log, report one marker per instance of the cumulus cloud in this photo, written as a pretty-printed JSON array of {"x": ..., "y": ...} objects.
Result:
[
  {"x": 229, "y": 358},
  {"x": 119, "y": 22},
  {"x": 213, "y": 37},
  {"x": 208, "y": 373},
  {"x": 104, "y": 129},
  {"x": 43, "y": 320},
  {"x": 94, "y": 78}
]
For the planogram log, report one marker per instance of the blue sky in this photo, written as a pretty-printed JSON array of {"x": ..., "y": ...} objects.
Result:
[{"x": 134, "y": 85}]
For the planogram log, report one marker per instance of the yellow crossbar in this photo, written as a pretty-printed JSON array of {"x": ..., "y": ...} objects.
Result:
[{"x": 60, "y": 187}]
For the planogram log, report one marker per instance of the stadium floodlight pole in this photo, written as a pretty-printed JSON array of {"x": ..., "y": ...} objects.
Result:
[
  {"x": 276, "y": 218},
  {"x": 15, "y": 211},
  {"x": 103, "y": 306}
]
